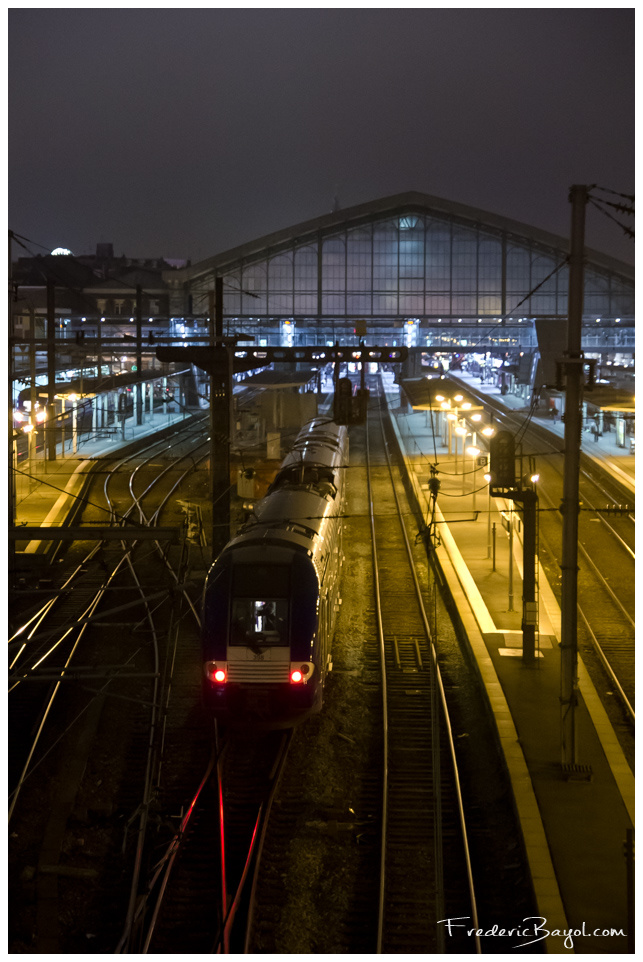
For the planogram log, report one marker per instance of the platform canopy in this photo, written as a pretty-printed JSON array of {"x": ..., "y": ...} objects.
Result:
[{"x": 439, "y": 394}]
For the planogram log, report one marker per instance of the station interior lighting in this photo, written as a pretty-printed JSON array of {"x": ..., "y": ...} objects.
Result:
[
  {"x": 473, "y": 451},
  {"x": 488, "y": 432},
  {"x": 534, "y": 478}
]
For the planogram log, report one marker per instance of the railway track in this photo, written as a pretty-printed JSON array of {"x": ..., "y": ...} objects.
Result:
[
  {"x": 423, "y": 827},
  {"x": 43, "y": 646},
  {"x": 205, "y": 894}
]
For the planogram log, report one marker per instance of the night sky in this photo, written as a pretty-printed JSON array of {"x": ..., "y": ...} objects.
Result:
[{"x": 181, "y": 134}]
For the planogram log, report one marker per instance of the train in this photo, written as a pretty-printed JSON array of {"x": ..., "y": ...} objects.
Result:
[{"x": 271, "y": 598}]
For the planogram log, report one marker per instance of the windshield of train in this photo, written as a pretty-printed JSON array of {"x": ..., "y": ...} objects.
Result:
[{"x": 259, "y": 613}]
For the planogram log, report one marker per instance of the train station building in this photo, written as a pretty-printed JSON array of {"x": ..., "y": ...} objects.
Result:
[{"x": 412, "y": 270}]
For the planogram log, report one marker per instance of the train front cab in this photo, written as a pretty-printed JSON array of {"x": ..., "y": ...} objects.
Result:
[{"x": 263, "y": 650}]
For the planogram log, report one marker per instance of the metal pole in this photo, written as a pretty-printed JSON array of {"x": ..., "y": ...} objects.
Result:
[
  {"x": 570, "y": 502},
  {"x": 493, "y": 567},
  {"x": 139, "y": 354},
  {"x": 50, "y": 423},
  {"x": 489, "y": 520},
  {"x": 511, "y": 561},
  {"x": 529, "y": 604},
  {"x": 220, "y": 411},
  {"x": 473, "y": 476}
]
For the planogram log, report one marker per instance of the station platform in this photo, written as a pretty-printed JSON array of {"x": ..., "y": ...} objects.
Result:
[
  {"x": 621, "y": 461},
  {"x": 574, "y": 828}
]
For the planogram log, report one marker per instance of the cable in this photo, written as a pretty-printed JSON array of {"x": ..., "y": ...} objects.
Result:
[
  {"x": 627, "y": 230},
  {"x": 615, "y": 192}
]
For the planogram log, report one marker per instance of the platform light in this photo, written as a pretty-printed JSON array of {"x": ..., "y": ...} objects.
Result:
[
  {"x": 439, "y": 397},
  {"x": 27, "y": 428},
  {"x": 487, "y": 478},
  {"x": 458, "y": 398},
  {"x": 473, "y": 451},
  {"x": 476, "y": 417},
  {"x": 534, "y": 478},
  {"x": 488, "y": 432}
]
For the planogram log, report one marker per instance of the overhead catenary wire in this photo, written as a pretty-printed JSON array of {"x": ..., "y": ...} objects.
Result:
[{"x": 626, "y": 230}]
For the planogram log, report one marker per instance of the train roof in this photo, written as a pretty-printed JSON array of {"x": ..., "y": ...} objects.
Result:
[{"x": 321, "y": 441}]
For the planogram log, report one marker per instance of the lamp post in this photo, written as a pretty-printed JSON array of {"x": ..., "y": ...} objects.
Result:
[
  {"x": 74, "y": 422},
  {"x": 487, "y": 478},
  {"x": 29, "y": 430},
  {"x": 62, "y": 424},
  {"x": 474, "y": 452}
]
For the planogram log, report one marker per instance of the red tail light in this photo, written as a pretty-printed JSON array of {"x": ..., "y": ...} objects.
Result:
[
  {"x": 296, "y": 676},
  {"x": 214, "y": 673}
]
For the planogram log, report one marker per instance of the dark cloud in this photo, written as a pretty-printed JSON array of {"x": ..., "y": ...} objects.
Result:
[{"x": 183, "y": 133}]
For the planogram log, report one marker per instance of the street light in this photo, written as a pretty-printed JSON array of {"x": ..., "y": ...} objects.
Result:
[
  {"x": 487, "y": 478},
  {"x": 474, "y": 452},
  {"x": 74, "y": 423}
]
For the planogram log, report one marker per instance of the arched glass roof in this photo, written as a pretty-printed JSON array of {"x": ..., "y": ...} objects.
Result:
[{"x": 410, "y": 255}]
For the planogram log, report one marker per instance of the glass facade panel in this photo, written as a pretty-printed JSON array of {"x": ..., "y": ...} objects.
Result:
[
  {"x": 437, "y": 305},
  {"x": 333, "y": 265},
  {"x": 280, "y": 303},
  {"x": 333, "y": 304},
  {"x": 411, "y": 305},
  {"x": 305, "y": 279},
  {"x": 414, "y": 265},
  {"x": 358, "y": 303},
  {"x": 489, "y": 304},
  {"x": 384, "y": 304},
  {"x": 305, "y": 304},
  {"x": 490, "y": 266}
]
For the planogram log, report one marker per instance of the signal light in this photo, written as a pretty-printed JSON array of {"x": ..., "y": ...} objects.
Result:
[
  {"x": 219, "y": 675},
  {"x": 296, "y": 676}
]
